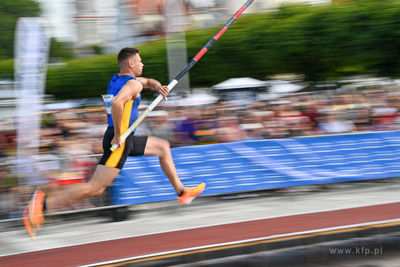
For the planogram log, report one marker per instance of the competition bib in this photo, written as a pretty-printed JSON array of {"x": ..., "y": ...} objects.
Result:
[{"x": 107, "y": 102}]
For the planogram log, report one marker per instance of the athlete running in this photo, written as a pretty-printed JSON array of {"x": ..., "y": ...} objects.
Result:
[{"x": 122, "y": 102}]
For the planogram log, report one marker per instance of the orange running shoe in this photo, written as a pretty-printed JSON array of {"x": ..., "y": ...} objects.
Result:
[
  {"x": 26, "y": 220},
  {"x": 191, "y": 193},
  {"x": 36, "y": 209}
]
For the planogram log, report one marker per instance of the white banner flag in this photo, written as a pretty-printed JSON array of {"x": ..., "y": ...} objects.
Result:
[{"x": 31, "y": 48}]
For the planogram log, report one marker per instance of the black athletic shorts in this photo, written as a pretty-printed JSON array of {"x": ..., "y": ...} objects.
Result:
[{"x": 133, "y": 146}]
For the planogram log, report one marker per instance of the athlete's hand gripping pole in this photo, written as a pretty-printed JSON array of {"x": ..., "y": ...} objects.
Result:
[{"x": 183, "y": 72}]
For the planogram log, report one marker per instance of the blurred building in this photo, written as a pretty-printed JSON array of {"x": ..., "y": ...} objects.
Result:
[
  {"x": 60, "y": 17},
  {"x": 115, "y": 23}
]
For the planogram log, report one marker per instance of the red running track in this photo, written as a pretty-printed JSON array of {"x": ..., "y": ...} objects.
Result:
[{"x": 130, "y": 247}]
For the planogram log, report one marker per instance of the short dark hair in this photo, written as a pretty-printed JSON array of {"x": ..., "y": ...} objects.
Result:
[{"x": 126, "y": 53}]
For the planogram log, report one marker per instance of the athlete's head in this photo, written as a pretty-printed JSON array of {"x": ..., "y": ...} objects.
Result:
[{"x": 129, "y": 59}]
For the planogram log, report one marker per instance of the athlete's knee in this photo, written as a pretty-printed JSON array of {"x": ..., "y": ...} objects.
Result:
[
  {"x": 157, "y": 146},
  {"x": 165, "y": 146}
]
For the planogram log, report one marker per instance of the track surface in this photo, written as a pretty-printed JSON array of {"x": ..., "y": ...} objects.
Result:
[{"x": 150, "y": 244}]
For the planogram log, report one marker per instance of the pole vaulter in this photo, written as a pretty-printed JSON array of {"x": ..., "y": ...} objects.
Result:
[{"x": 183, "y": 72}]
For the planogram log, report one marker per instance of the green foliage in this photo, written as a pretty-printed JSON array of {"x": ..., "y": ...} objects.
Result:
[
  {"x": 81, "y": 78},
  {"x": 6, "y": 69},
  {"x": 320, "y": 42},
  {"x": 97, "y": 49},
  {"x": 10, "y": 11},
  {"x": 89, "y": 77},
  {"x": 59, "y": 50}
]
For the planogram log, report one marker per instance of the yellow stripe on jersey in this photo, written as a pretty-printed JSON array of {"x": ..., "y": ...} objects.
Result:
[{"x": 114, "y": 158}]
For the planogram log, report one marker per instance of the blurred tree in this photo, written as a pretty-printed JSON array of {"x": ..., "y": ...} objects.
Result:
[
  {"x": 10, "y": 11},
  {"x": 319, "y": 42},
  {"x": 88, "y": 77},
  {"x": 59, "y": 50},
  {"x": 6, "y": 69},
  {"x": 98, "y": 50}
]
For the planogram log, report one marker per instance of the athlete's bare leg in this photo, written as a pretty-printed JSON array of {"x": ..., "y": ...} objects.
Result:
[
  {"x": 102, "y": 177},
  {"x": 160, "y": 147}
]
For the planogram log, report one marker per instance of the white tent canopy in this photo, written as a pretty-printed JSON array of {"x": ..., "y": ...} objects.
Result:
[
  {"x": 283, "y": 87},
  {"x": 239, "y": 83},
  {"x": 195, "y": 99},
  {"x": 198, "y": 99}
]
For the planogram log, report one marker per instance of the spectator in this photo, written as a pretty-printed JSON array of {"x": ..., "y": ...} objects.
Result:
[
  {"x": 229, "y": 130},
  {"x": 185, "y": 134},
  {"x": 160, "y": 126},
  {"x": 276, "y": 129},
  {"x": 334, "y": 124},
  {"x": 206, "y": 129}
]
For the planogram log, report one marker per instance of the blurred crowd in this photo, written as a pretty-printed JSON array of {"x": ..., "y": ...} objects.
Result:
[
  {"x": 303, "y": 114},
  {"x": 71, "y": 140}
]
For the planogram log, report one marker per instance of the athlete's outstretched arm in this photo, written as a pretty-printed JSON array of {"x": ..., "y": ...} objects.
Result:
[{"x": 154, "y": 85}]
